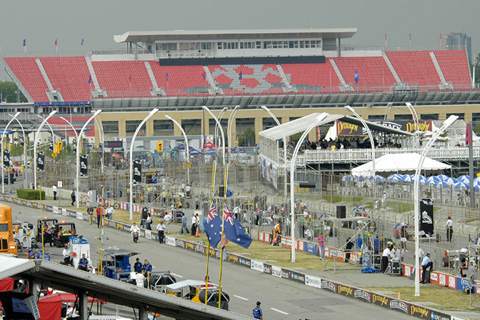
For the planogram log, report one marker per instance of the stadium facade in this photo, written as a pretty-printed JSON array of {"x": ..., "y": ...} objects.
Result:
[{"x": 295, "y": 72}]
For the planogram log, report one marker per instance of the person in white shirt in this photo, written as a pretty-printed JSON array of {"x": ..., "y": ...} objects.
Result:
[
  {"x": 168, "y": 220},
  {"x": 110, "y": 212},
  {"x": 161, "y": 232},
  {"x": 387, "y": 253},
  {"x": 188, "y": 190},
  {"x": 134, "y": 228},
  {"x": 54, "y": 189},
  {"x": 194, "y": 225},
  {"x": 449, "y": 226},
  {"x": 426, "y": 263}
]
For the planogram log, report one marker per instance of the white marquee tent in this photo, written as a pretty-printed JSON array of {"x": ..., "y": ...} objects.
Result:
[{"x": 399, "y": 163}]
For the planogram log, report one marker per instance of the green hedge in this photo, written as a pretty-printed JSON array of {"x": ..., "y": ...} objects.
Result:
[{"x": 30, "y": 194}]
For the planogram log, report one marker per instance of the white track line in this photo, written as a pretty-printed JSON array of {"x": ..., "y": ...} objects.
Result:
[
  {"x": 279, "y": 311},
  {"x": 242, "y": 298},
  {"x": 176, "y": 275}
]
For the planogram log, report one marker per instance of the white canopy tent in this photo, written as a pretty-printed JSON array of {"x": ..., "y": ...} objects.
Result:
[{"x": 399, "y": 163}]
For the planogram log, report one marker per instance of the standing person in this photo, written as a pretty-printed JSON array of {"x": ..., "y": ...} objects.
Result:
[
  {"x": 194, "y": 225},
  {"x": 99, "y": 215},
  {"x": 321, "y": 245},
  {"x": 348, "y": 247},
  {"x": 161, "y": 232},
  {"x": 144, "y": 217},
  {"x": 54, "y": 189},
  {"x": 359, "y": 242},
  {"x": 376, "y": 245},
  {"x": 426, "y": 263},
  {"x": 385, "y": 256},
  {"x": 140, "y": 280},
  {"x": 147, "y": 269},
  {"x": 28, "y": 238},
  {"x": 198, "y": 223},
  {"x": 449, "y": 226},
  {"x": 184, "y": 224},
  {"x": 110, "y": 212},
  {"x": 90, "y": 214},
  {"x": 168, "y": 220},
  {"x": 188, "y": 191},
  {"x": 149, "y": 222},
  {"x": 137, "y": 267},
  {"x": 257, "y": 311},
  {"x": 384, "y": 200},
  {"x": 73, "y": 197}
]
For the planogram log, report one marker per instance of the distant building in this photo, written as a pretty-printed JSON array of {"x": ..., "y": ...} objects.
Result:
[{"x": 457, "y": 41}]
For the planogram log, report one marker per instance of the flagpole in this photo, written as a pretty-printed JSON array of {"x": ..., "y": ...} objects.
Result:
[
  {"x": 208, "y": 247},
  {"x": 223, "y": 235}
]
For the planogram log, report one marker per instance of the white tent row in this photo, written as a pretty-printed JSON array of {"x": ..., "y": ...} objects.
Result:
[{"x": 399, "y": 163}]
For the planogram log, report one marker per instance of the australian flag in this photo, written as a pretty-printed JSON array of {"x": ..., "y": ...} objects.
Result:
[
  {"x": 234, "y": 231},
  {"x": 356, "y": 77},
  {"x": 213, "y": 227}
]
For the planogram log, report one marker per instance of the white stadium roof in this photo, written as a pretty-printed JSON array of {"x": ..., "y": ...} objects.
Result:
[{"x": 214, "y": 35}]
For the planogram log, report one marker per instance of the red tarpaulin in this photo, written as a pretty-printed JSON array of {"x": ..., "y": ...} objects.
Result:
[
  {"x": 50, "y": 307},
  {"x": 6, "y": 285}
]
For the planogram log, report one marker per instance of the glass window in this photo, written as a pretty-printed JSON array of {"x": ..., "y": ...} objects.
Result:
[{"x": 110, "y": 126}]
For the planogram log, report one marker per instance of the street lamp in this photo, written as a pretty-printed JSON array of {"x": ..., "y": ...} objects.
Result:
[
  {"x": 372, "y": 145},
  {"x": 315, "y": 123},
  {"x": 221, "y": 131},
  {"x": 415, "y": 121},
  {"x": 416, "y": 204},
  {"x": 229, "y": 125},
  {"x": 187, "y": 148},
  {"x": 284, "y": 150},
  {"x": 78, "y": 153},
  {"x": 35, "y": 148},
  {"x": 25, "y": 171},
  {"x": 131, "y": 157},
  {"x": 3, "y": 157}
]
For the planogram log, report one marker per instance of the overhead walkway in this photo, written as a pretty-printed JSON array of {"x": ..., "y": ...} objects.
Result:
[{"x": 99, "y": 287}]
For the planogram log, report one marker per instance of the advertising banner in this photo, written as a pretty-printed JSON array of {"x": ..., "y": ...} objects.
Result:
[
  {"x": 380, "y": 300},
  {"x": 329, "y": 285},
  {"x": 312, "y": 281},
  {"x": 426, "y": 216},
  {"x": 363, "y": 295},
  {"x": 399, "y": 305}
]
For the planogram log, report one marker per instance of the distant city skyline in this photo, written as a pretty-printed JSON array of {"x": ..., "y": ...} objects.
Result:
[{"x": 407, "y": 24}]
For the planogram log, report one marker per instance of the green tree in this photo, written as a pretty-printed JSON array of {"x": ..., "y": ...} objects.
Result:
[{"x": 8, "y": 91}]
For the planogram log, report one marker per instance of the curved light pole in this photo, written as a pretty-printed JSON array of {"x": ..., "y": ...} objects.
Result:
[
  {"x": 416, "y": 123},
  {"x": 73, "y": 128},
  {"x": 187, "y": 148},
  {"x": 221, "y": 131},
  {"x": 284, "y": 151},
  {"x": 102, "y": 144},
  {"x": 51, "y": 129},
  {"x": 317, "y": 122},
  {"x": 131, "y": 157},
  {"x": 77, "y": 200},
  {"x": 35, "y": 148},
  {"x": 25, "y": 171},
  {"x": 372, "y": 145},
  {"x": 3, "y": 157},
  {"x": 416, "y": 204},
  {"x": 229, "y": 125},
  {"x": 217, "y": 127}
]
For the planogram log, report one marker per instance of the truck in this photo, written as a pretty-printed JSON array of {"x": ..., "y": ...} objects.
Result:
[{"x": 7, "y": 244}]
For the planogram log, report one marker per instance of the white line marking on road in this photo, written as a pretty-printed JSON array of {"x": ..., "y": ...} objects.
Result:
[
  {"x": 176, "y": 275},
  {"x": 242, "y": 298},
  {"x": 279, "y": 311}
]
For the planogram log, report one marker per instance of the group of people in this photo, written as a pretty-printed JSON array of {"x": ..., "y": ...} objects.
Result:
[
  {"x": 142, "y": 272},
  {"x": 196, "y": 225}
]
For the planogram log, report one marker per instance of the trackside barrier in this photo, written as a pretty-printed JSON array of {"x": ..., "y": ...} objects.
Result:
[{"x": 371, "y": 297}]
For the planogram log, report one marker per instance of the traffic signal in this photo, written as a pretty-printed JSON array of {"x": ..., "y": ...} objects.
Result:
[
  {"x": 55, "y": 148},
  {"x": 160, "y": 146},
  {"x": 9, "y": 147},
  {"x": 50, "y": 145},
  {"x": 59, "y": 145},
  {"x": 74, "y": 145}
]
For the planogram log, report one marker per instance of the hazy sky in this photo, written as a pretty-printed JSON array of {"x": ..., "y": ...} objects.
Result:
[{"x": 41, "y": 22}]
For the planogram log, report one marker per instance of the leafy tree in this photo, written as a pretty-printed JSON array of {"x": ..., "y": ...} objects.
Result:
[{"x": 8, "y": 91}]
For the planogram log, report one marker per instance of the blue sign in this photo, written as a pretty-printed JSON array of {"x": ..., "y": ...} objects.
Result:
[
  {"x": 4, "y": 131},
  {"x": 310, "y": 247}
]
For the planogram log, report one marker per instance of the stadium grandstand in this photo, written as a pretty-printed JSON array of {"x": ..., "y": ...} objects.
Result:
[{"x": 180, "y": 71}]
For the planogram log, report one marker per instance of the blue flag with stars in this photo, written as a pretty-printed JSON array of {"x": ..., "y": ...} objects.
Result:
[
  {"x": 234, "y": 231},
  {"x": 213, "y": 227},
  {"x": 356, "y": 77}
]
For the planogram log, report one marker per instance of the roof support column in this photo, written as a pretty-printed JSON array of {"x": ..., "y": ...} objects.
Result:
[
  {"x": 142, "y": 313},
  {"x": 83, "y": 311},
  {"x": 339, "y": 48}
]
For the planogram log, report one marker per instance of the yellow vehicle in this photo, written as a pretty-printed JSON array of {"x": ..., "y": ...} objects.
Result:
[
  {"x": 7, "y": 244},
  {"x": 194, "y": 290}
]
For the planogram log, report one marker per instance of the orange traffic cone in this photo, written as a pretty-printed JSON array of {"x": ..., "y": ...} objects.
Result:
[{"x": 196, "y": 234}]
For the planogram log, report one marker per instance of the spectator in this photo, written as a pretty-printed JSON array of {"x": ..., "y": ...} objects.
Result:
[
  {"x": 149, "y": 222},
  {"x": 184, "y": 224},
  {"x": 449, "y": 226},
  {"x": 359, "y": 242},
  {"x": 198, "y": 223},
  {"x": 99, "y": 215},
  {"x": 144, "y": 217},
  {"x": 161, "y": 232},
  {"x": 83, "y": 263},
  {"x": 321, "y": 245},
  {"x": 385, "y": 256},
  {"x": 168, "y": 220},
  {"x": 137, "y": 267},
  {"x": 194, "y": 224},
  {"x": 54, "y": 189},
  {"x": 110, "y": 212},
  {"x": 73, "y": 197},
  {"x": 348, "y": 249},
  {"x": 376, "y": 245}
]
